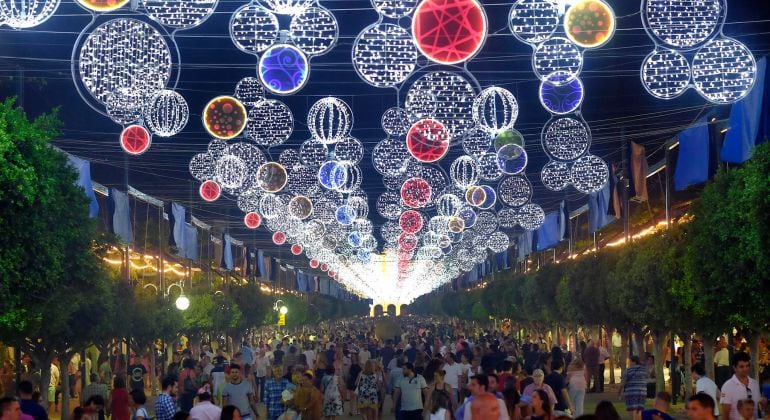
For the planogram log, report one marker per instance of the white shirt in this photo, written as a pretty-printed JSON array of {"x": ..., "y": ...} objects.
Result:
[
  {"x": 54, "y": 376},
  {"x": 617, "y": 340},
  {"x": 733, "y": 391},
  {"x": 205, "y": 410},
  {"x": 453, "y": 373},
  {"x": 261, "y": 364},
  {"x": 708, "y": 387},
  {"x": 310, "y": 356},
  {"x": 363, "y": 356}
]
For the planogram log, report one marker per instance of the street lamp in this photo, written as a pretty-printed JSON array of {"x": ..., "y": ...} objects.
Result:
[
  {"x": 182, "y": 302},
  {"x": 283, "y": 310}
]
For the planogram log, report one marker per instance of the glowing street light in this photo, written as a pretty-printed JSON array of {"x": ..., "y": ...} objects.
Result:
[
  {"x": 182, "y": 302},
  {"x": 283, "y": 310}
]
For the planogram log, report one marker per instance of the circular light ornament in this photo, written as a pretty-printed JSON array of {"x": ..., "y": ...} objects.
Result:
[
  {"x": 330, "y": 120},
  {"x": 449, "y": 31},
  {"x": 202, "y": 166},
  {"x": 180, "y": 14},
  {"x": 498, "y": 242},
  {"x": 508, "y": 137},
  {"x": 135, "y": 140},
  {"x": 313, "y": 153},
  {"x": 125, "y": 105},
  {"x": 491, "y": 198},
  {"x": 486, "y": 223},
  {"x": 167, "y": 113},
  {"x": 477, "y": 142},
  {"x": 384, "y": 55},
  {"x": 464, "y": 171},
  {"x": 394, "y": 8},
  {"x": 324, "y": 267},
  {"x": 395, "y": 121},
  {"x": 512, "y": 159},
  {"x": 682, "y": 25},
  {"x": 389, "y": 205},
  {"x": 556, "y": 176},
  {"x": 475, "y": 196},
  {"x": 456, "y": 224},
  {"x": 209, "y": 191},
  {"x": 559, "y": 97},
  {"x": 182, "y": 302},
  {"x": 296, "y": 249},
  {"x": 20, "y": 14},
  {"x": 272, "y": 206},
  {"x": 250, "y": 91},
  {"x": 224, "y": 117},
  {"x": 489, "y": 169},
  {"x": 283, "y": 69},
  {"x": 314, "y": 263},
  {"x": 589, "y": 23},
  {"x": 589, "y": 174},
  {"x": 252, "y": 220},
  {"x": 557, "y": 55},
  {"x": 416, "y": 192},
  {"x": 390, "y": 156},
  {"x": 271, "y": 177},
  {"x": 566, "y": 138},
  {"x": 354, "y": 239},
  {"x": 279, "y": 238},
  {"x": 495, "y": 110},
  {"x": 534, "y": 21},
  {"x": 286, "y": 7},
  {"x": 353, "y": 178},
  {"x": 724, "y": 71},
  {"x": 230, "y": 171},
  {"x": 407, "y": 242},
  {"x": 531, "y": 217},
  {"x": 448, "y": 205},
  {"x": 410, "y": 221},
  {"x": 515, "y": 191},
  {"x": 300, "y": 207},
  {"x": 253, "y": 29},
  {"x": 349, "y": 150},
  {"x": 427, "y": 140},
  {"x": 345, "y": 215},
  {"x": 270, "y": 123},
  {"x": 314, "y": 30},
  {"x": 446, "y": 97},
  {"x": 665, "y": 74},
  {"x": 332, "y": 175}
]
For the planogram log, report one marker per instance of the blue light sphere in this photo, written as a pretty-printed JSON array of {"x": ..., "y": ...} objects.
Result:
[
  {"x": 512, "y": 159},
  {"x": 447, "y": 249},
  {"x": 345, "y": 215},
  {"x": 491, "y": 199},
  {"x": 332, "y": 175},
  {"x": 283, "y": 69},
  {"x": 354, "y": 239},
  {"x": 561, "y": 93},
  {"x": 468, "y": 216},
  {"x": 364, "y": 255}
]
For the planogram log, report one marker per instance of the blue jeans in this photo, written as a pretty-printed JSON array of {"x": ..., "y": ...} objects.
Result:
[
  {"x": 578, "y": 397},
  {"x": 260, "y": 381}
]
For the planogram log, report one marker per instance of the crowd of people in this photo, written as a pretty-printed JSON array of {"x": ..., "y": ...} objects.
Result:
[{"x": 424, "y": 369}]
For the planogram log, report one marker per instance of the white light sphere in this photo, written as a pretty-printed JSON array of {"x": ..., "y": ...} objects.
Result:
[
  {"x": 390, "y": 156},
  {"x": 394, "y": 8},
  {"x": 253, "y": 28},
  {"x": 313, "y": 153},
  {"x": 452, "y": 101},
  {"x": 125, "y": 105},
  {"x": 489, "y": 170},
  {"x": 682, "y": 25},
  {"x": 495, "y": 110},
  {"x": 250, "y": 91},
  {"x": 477, "y": 142},
  {"x": 566, "y": 138},
  {"x": 167, "y": 113},
  {"x": 531, "y": 217},
  {"x": 180, "y": 14},
  {"x": 464, "y": 172},
  {"x": 230, "y": 171},
  {"x": 665, "y": 73},
  {"x": 314, "y": 30},
  {"x": 515, "y": 191},
  {"x": 269, "y": 123},
  {"x": 498, "y": 242},
  {"x": 556, "y": 176},
  {"x": 589, "y": 174},
  {"x": 349, "y": 150},
  {"x": 534, "y": 21},
  {"x": 24, "y": 14},
  {"x": 182, "y": 303},
  {"x": 395, "y": 121},
  {"x": 202, "y": 166},
  {"x": 384, "y": 55},
  {"x": 330, "y": 120},
  {"x": 557, "y": 55},
  {"x": 724, "y": 71}
]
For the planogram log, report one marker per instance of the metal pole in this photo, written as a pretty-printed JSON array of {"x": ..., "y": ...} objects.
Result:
[{"x": 668, "y": 184}]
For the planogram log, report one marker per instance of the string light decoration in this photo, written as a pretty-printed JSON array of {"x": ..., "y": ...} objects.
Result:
[
  {"x": 449, "y": 31},
  {"x": 353, "y": 178},
  {"x": 533, "y": 21},
  {"x": 394, "y": 8},
  {"x": 252, "y": 156},
  {"x": 446, "y": 97},
  {"x": 410, "y": 221},
  {"x": 252, "y": 220},
  {"x": 489, "y": 169},
  {"x": 448, "y": 205},
  {"x": 24, "y": 14},
  {"x": 330, "y": 120},
  {"x": 384, "y": 55},
  {"x": 269, "y": 123},
  {"x": 272, "y": 206},
  {"x": 224, "y": 117},
  {"x": 589, "y": 174},
  {"x": 218, "y": 148},
  {"x": 566, "y": 138},
  {"x": 314, "y": 30},
  {"x": 230, "y": 171},
  {"x": 300, "y": 207},
  {"x": 557, "y": 55},
  {"x": 530, "y": 217},
  {"x": 349, "y": 150},
  {"x": 390, "y": 156},
  {"x": 271, "y": 177},
  {"x": 313, "y": 153},
  {"x": 283, "y": 69},
  {"x": 167, "y": 113},
  {"x": 559, "y": 97},
  {"x": 389, "y": 231},
  {"x": 682, "y": 25},
  {"x": 556, "y": 176},
  {"x": 135, "y": 140},
  {"x": 125, "y": 105},
  {"x": 724, "y": 71},
  {"x": 508, "y": 137},
  {"x": 416, "y": 192},
  {"x": 202, "y": 166},
  {"x": 286, "y": 7},
  {"x": 180, "y": 14},
  {"x": 511, "y": 159},
  {"x": 303, "y": 181},
  {"x": 507, "y": 218},
  {"x": 491, "y": 198},
  {"x": 332, "y": 175},
  {"x": 475, "y": 196},
  {"x": 395, "y": 121},
  {"x": 515, "y": 191},
  {"x": 477, "y": 142},
  {"x": 122, "y": 53},
  {"x": 209, "y": 191},
  {"x": 495, "y": 110},
  {"x": 498, "y": 242},
  {"x": 427, "y": 140},
  {"x": 665, "y": 74},
  {"x": 289, "y": 158},
  {"x": 589, "y": 23},
  {"x": 250, "y": 91},
  {"x": 464, "y": 172},
  {"x": 249, "y": 200},
  {"x": 253, "y": 28},
  {"x": 486, "y": 222}
]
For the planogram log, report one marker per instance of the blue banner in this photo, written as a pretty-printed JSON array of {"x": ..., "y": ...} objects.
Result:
[
  {"x": 745, "y": 120},
  {"x": 83, "y": 167},
  {"x": 120, "y": 215}
]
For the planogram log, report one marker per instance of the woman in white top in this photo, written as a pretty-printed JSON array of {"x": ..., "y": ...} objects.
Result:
[
  {"x": 576, "y": 383},
  {"x": 440, "y": 403}
]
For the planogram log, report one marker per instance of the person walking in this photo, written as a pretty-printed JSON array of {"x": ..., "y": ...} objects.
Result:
[
  {"x": 633, "y": 388},
  {"x": 332, "y": 391},
  {"x": 740, "y": 387},
  {"x": 368, "y": 392},
  {"x": 165, "y": 404},
  {"x": 239, "y": 393},
  {"x": 118, "y": 402},
  {"x": 410, "y": 391},
  {"x": 274, "y": 387},
  {"x": 439, "y": 408},
  {"x": 576, "y": 386},
  {"x": 704, "y": 384}
]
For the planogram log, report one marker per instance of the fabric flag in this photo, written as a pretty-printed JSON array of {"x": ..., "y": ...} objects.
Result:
[
  {"x": 227, "y": 252},
  {"x": 83, "y": 167},
  {"x": 325, "y": 285},
  {"x": 616, "y": 208},
  {"x": 547, "y": 236},
  {"x": 692, "y": 164},
  {"x": 218, "y": 249},
  {"x": 261, "y": 271},
  {"x": 745, "y": 120},
  {"x": 598, "y": 209},
  {"x": 524, "y": 244},
  {"x": 249, "y": 262},
  {"x": 639, "y": 170},
  {"x": 564, "y": 221},
  {"x": 273, "y": 269},
  {"x": 120, "y": 215},
  {"x": 191, "y": 242},
  {"x": 176, "y": 219},
  {"x": 316, "y": 284}
]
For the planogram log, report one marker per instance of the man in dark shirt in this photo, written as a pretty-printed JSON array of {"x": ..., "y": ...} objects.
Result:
[
  {"x": 278, "y": 355},
  {"x": 28, "y": 405},
  {"x": 411, "y": 352},
  {"x": 659, "y": 410},
  {"x": 591, "y": 359},
  {"x": 136, "y": 374},
  {"x": 555, "y": 380},
  {"x": 387, "y": 353}
]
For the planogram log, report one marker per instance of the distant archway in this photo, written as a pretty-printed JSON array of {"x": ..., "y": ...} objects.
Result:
[
  {"x": 404, "y": 310},
  {"x": 392, "y": 310},
  {"x": 377, "y": 310}
]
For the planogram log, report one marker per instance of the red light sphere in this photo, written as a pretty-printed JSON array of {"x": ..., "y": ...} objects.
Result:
[
  {"x": 415, "y": 192},
  {"x": 135, "y": 140},
  {"x": 407, "y": 241},
  {"x": 252, "y": 220},
  {"x": 332, "y": 273},
  {"x": 296, "y": 249},
  {"x": 314, "y": 263},
  {"x": 410, "y": 221},
  {"x": 449, "y": 31},
  {"x": 279, "y": 238},
  {"x": 324, "y": 267},
  {"x": 427, "y": 140},
  {"x": 210, "y": 190}
]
